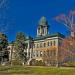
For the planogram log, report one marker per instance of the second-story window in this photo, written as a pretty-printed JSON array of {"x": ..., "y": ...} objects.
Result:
[
  {"x": 34, "y": 45},
  {"x": 48, "y": 43},
  {"x": 40, "y": 45},
  {"x": 44, "y": 44},
  {"x": 37, "y": 45},
  {"x": 51, "y": 43},
  {"x": 54, "y": 43}
]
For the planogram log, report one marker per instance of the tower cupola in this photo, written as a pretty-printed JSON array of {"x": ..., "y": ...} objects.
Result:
[{"x": 42, "y": 29}]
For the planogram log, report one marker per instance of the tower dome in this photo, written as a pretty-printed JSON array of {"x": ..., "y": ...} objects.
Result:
[{"x": 43, "y": 21}]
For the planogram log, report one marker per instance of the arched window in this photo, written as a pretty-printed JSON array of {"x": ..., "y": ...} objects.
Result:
[{"x": 38, "y": 30}]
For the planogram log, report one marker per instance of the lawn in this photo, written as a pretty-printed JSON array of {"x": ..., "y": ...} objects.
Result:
[{"x": 33, "y": 70}]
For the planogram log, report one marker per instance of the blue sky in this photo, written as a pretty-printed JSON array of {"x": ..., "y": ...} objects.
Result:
[{"x": 25, "y": 15}]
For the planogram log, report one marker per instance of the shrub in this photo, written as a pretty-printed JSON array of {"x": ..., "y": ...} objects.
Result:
[
  {"x": 16, "y": 62},
  {"x": 69, "y": 64},
  {"x": 37, "y": 63}
]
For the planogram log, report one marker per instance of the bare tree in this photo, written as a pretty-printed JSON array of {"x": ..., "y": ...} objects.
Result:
[
  {"x": 4, "y": 21},
  {"x": 67, "y": 50},
  {"x": 49, "y": 56},
  {"x": 68, "y": 21}
]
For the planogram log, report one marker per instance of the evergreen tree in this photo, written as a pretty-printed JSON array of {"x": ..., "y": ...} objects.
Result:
[
  {"x": 3, "y": 47},
  {"x": 20, "y": 46}
]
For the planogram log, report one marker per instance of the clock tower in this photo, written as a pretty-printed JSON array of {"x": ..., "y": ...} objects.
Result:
[{"x": 42, "y": 29}]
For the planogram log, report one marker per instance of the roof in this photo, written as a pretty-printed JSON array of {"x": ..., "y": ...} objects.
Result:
[
  {"x": 29, "y": 38},
  {"x": 49, "y": 36},
  {"x": 43, "y": 21}
]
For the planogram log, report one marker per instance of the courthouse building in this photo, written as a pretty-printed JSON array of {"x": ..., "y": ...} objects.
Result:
[{"x": 44, "y": 46}]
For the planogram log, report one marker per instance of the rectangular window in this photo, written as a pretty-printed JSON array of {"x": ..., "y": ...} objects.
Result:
[
  {"x": 37, "y": 45},
  {"x": 41, "y": 53},
  {"x": 60, "y": 43},
  {"x": 48, "y": 43},
  {"x": 48, "y": 53},
  {"x": 34, "y": 53},
  {"x": 40, "y": 45},
  {"x": 43, "y": 31},
  {"x": 37, "y": 53},
  {"x": 51, "y": 53},
  {"x": 30, "y": 45},
  {"x": 44, "y": 53},
  {"x": 54, "y": 43},
  {"x": 38, "y": 30},
  {"x": 34, "y": 45},
  {"x": 51, "y": 43},
  {"x": 54, "y": 52},
  {"x": 44, "y": 44}
]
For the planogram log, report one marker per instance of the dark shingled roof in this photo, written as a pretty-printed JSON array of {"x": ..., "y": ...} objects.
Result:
[
  {"x": 52, "y": 35},
  {"x": 29, "y": 38}
]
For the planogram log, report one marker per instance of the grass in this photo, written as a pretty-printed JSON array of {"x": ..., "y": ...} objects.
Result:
[{"x": 33, "y": 70}]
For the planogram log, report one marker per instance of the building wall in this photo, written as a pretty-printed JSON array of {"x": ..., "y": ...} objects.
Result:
[
  {"x": 29, "y": 48},
  {"x": 12, "y": 51},
  {"x": 46, "y": 50},
  {"x": 42, "y": 47}
]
